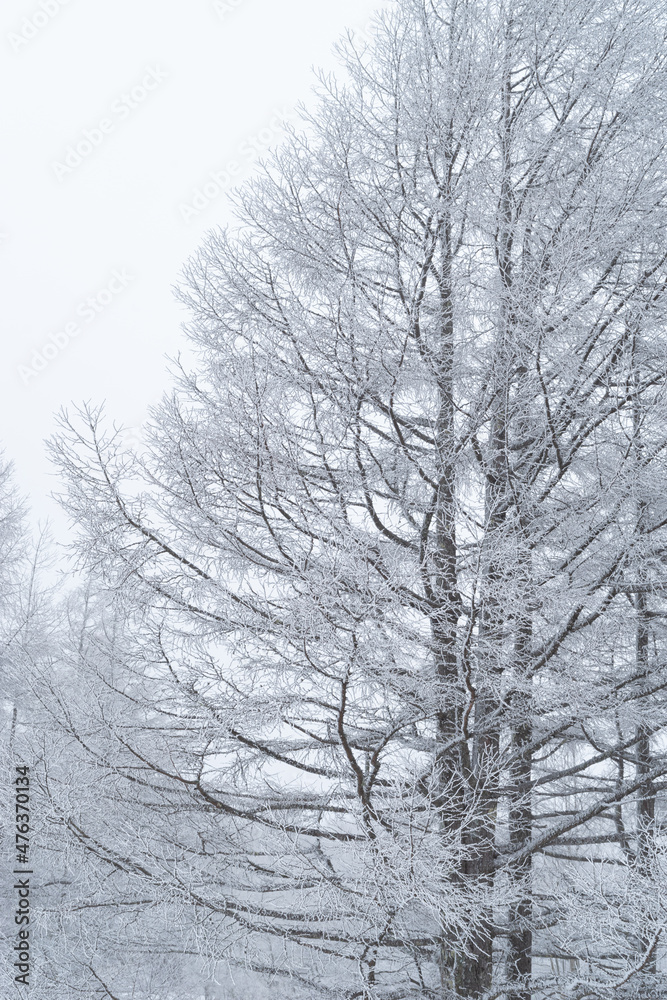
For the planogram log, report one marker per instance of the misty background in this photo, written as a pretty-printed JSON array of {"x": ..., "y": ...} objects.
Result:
[{"x": 124, "y": 126}]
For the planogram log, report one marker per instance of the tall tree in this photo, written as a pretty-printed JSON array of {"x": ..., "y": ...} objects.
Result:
[{"x": 393, "y": 557}]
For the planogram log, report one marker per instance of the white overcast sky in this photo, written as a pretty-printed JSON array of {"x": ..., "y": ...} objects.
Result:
[{"x": 182, "y": 88}]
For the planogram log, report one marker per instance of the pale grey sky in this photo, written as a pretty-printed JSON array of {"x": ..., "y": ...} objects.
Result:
[{"x": 116, "y": 113}]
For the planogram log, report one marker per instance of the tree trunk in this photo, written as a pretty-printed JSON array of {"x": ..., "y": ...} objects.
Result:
[
  {"x": 646, "y": 801},
  {"x": 520, "y": 941}
]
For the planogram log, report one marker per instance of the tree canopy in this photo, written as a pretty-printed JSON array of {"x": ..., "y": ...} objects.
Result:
[{"x": 368, "y": 679}]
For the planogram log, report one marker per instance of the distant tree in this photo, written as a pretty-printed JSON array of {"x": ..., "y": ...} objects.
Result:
[
  {"x": 393, "y": 562},
  {"x": 113, "y": 921},
  {"x": 19, "y": 609}
]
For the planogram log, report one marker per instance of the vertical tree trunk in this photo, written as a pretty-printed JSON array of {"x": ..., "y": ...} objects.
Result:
[
  {"x": 452, "y": 763},
  {"x": 520, "y": 938},
  {"x": 646, "y": 802}
]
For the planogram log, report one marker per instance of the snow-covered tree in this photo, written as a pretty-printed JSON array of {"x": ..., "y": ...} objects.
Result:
[
  {"x": 387, "y": 707},
  {"x": 22, "y": 633}
]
